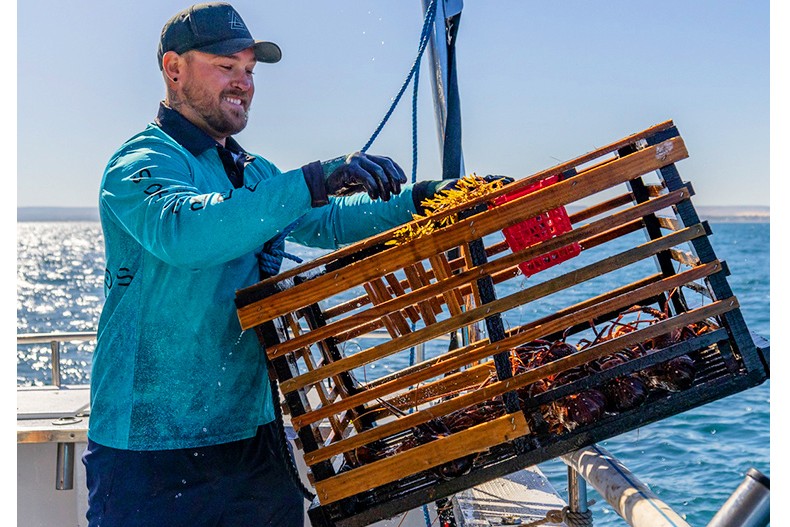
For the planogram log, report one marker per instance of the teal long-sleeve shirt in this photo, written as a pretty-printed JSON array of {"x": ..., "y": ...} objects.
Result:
[{"x": 172, "y": 367}]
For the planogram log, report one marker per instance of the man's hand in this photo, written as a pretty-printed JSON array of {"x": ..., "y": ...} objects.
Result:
[{"x": 379, "y": 176}]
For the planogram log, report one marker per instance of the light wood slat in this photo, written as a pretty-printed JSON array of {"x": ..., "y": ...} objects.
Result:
[
  {"x": 360, "y": 330},
  {"x": 355, "y": 303},
  {"x": 398, "y": 290},
  {"x": 499, "y": 388},
  {"x": 475, "y": 439},
  {"x": 553, "y": 196},
  {"x": 601, "y": 208},
  {"x": 388, "y": 323},
  {"x": 418, "y": 294},
  {"x": 383, "y": 295},
  {"x": 655, "y": 190},
  {"x": 525, "y": 182},
  {"x": 345, "y": 307},
  {"x": 415, "y": 283},
  {"x": 441, "y": 270},
  {"x": 467, "y": 355},
  {"x": 672, "y": 224},
  {"x": 686, "y": 258},
  {"x": 425, "y": 279}
]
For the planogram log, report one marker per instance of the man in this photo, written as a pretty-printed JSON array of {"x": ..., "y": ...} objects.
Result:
[{"x": 182, "y": 430}]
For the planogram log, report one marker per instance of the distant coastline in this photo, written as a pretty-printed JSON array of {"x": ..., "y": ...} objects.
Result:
[{"x": 729, "y": 214}]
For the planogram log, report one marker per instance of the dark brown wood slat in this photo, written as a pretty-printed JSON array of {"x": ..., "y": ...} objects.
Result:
[
  {"x": 601, "y": 208},
  {"x": 449, "y": 385}
]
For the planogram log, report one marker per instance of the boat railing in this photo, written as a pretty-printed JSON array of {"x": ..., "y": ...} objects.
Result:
[{"x": 55, "y": 340}]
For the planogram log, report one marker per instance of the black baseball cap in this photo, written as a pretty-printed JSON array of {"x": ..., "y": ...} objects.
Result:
[{"x": 215, "y": 28}]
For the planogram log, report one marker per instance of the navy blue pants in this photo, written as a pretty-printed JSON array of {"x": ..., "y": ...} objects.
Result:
[{"x": 230, "y": 485}]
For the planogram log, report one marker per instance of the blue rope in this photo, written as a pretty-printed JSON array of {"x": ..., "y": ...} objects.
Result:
[
  {"x": 427, "y": 27},
  {"x": 271, "y": 257}
]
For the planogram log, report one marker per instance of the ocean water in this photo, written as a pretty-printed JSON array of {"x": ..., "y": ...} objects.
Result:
[{"x": 692, "y": 461}]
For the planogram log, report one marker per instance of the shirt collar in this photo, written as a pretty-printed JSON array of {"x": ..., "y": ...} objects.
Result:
[{"x": 188, "y": 135}]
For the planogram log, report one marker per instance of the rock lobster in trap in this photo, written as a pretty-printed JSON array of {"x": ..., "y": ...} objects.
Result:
[{"x": 623, "y": 354}]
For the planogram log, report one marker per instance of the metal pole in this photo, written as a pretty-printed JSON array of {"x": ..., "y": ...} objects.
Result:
[
  {"x": 55, "y": 347},
  {"x": 64, "y": 469},
  {"x": 440, "y": 69},
  {"x": 630, "y": 498},
  {"x": 749, "y": 505},
  {"x": 577, "y": 492}
]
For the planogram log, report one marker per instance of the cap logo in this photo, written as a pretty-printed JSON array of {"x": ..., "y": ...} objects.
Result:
[{"x": 236, "y": 22}]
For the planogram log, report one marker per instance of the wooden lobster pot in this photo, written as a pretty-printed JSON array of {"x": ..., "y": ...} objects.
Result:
[{"x": 376, "y": 444}]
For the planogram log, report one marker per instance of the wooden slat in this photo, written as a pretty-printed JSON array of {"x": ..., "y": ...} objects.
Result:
[
  {"x": 472, "y": 440},
  {"x": 655, "y": 190},
  {"x": 601, "y": 208},
  {"x": 441, "y": 269},
  {"x": 498, "y": 388},
  {"x": 425, "y": 279},
  {"x": 376, "y": 300},
  {"x": 671, "y": 224},
  {"x": 463, "y": 380},
  {"x": 419, "y": 294},
  {"x": 485, "y": 223},
  {"x": 398, "y": 290},
  {"x": 684, "y": 257},
  {"x": 415, "y": 283},
  {"x": 467, "y": 355},
  {"x": 611, "y": 234}
]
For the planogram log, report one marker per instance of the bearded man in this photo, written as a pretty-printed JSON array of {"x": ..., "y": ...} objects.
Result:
[{"x": 182, "y": 426}]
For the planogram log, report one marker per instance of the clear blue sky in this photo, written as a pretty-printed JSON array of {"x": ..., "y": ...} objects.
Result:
[{"x": 540, "y": 83}]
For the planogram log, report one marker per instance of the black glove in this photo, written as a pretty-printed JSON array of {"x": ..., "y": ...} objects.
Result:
[
  {"x": 428, "y": 189},
  {"x": 379, "y": 176}
]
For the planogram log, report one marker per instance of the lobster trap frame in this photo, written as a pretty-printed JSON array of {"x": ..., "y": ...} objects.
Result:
[{"x": 451, "y": 279}]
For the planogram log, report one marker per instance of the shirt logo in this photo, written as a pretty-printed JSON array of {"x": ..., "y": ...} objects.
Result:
[{"x": 236, "y": 22}]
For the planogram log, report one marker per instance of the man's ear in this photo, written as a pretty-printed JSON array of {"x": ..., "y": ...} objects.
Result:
[{"x": 172, "y": 63}]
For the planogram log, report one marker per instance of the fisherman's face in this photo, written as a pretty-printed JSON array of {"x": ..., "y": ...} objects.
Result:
[{"x": 216, "y": 91}]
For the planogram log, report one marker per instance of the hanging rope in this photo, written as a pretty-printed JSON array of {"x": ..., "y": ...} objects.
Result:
[{"x": 427, "y": 27}]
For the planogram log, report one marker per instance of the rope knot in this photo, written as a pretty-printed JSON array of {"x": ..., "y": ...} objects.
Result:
[{"x": 270, "y": 259}]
